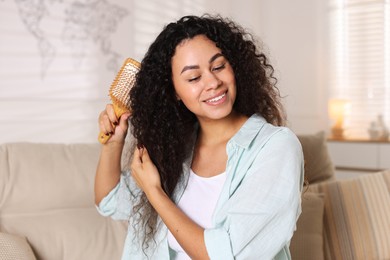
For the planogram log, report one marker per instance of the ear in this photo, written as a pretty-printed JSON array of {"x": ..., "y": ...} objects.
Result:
[{"x": 177, "y": 97}]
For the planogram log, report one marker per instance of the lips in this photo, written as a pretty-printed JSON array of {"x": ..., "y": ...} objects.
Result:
[{"x": 216, "y": 99}]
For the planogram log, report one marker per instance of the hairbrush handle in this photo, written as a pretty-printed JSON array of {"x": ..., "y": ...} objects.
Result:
[{"x": 120, "y": 90}]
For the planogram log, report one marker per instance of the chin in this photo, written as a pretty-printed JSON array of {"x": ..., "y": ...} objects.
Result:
[{"x": 220, "y": 115}]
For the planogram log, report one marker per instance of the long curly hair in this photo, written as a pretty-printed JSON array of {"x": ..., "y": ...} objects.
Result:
[{"x": 165, "y": 126}]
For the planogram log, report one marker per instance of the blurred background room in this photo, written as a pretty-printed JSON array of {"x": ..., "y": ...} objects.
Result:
[{"x": 59, "y": 57}]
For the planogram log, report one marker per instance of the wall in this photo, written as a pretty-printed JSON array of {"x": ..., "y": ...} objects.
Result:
[
  {"x": 60, "y": 101},
  {"x": 58, "y": 59},
  {"x": 295, "y": 35}
]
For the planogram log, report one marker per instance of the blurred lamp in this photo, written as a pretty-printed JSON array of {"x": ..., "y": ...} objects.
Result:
[{"x": 336, "y": 109}]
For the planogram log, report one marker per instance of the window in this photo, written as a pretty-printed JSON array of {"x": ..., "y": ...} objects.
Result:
[{"x": 360, "y": 63}]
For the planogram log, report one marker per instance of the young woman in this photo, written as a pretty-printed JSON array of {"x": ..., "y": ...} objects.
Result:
[{"x": 215, "y": 174}]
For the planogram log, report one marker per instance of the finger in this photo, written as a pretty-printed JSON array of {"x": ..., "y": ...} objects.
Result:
[
  {"x": 123, "y": 121},
  {"x": 136, "y": 162},
  {"x": 145, "y": 155},
  {"x": 111, "y": 114},
  {"x": 107, "y": 125},
  {"x": 102, "y": 128},
  {"x": 126, "y": 115},
  {"x": 102, "y": 125}
]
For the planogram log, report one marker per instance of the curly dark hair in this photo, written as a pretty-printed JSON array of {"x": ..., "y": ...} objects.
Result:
[{"x": 165, "y": 126}]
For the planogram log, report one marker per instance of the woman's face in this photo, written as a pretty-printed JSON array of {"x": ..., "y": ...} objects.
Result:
[{"x": 203, "y": 78}]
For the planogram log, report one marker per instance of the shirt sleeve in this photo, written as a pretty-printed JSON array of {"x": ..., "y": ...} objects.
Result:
[
  {"x": 118, "y": 202},
  {"x": 259, "y": 218}
]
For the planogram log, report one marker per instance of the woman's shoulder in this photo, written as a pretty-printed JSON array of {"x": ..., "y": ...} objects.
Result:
[
  {"x": 258, "y": 132},
  {"x": 268, "y": 131}
]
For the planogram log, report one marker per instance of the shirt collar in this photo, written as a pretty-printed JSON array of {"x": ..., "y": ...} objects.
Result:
[
  {"x": 242, "y": 138},
  {"x": 248, "y": 131}
]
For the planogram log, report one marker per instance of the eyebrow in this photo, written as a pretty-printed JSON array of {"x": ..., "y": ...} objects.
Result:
[
  {"x": 191, "y": 67},
  {"x": 215, "y": 57}
]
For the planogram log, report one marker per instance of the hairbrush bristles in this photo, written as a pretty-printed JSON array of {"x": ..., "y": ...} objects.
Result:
[
  {"x": 120, "y": 89},
  {"x": 123, "y": 82}
]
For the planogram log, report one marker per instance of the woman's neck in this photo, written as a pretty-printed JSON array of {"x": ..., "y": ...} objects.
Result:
[{"x": 214, "y": 132}]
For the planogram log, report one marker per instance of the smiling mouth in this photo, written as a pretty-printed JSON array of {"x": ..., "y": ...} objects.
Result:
[{"x": 216, "y": 98}]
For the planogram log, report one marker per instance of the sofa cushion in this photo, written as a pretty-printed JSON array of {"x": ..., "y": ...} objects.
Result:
[
  {"x": 46, "y": 195},
  {"x": 356, "y": 218},
  {"x": 15, "y": 247},
  {"x": 307, "y": 241},
  {"x": 36, "y": 177},
  {"x": 318, "y": 164},
  {"x": 69, "y": 233}
]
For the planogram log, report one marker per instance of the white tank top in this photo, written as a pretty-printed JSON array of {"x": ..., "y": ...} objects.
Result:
[{"x": 198, "y": 203}]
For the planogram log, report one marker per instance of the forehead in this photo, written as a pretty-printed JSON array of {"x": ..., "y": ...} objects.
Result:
[{"x": 195, "y": 50}]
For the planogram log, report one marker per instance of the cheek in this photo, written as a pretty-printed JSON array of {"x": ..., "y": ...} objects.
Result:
[
  {"x": 177, "y": 88},
  {"x": 189, "y": 95},
  {"x": 233, "y": 90},
  {"x": 185, "y": 91},
  {"x": 231, "y": 76}
]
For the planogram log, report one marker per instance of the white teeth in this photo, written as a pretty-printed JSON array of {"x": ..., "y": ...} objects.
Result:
[{"x": 216, "y": 98}]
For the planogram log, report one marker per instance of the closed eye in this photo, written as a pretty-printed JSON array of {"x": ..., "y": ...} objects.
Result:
[
  {"x": 221, "y": 67},
  {"x": 194, "y": 79}
]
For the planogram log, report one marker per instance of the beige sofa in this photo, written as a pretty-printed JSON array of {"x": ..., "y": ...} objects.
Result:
[
  {"x": 46, "y": 200},
  {"x": 341, "y": 219},
  {"x": 47, "y": 208}
]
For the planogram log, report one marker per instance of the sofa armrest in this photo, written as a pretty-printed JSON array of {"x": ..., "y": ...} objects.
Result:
[{"x": 356, "y": 217}]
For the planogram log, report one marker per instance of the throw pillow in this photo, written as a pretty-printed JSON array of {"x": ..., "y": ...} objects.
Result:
[
  {"x": 15, "y": 247},
  {"x": 318, "y": 164},
  {"x": 307, "y": 241},
  {"x": 356, "y": 217}
]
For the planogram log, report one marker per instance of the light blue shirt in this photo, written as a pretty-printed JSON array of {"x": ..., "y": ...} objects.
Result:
[{"x": 258, "y": 207}]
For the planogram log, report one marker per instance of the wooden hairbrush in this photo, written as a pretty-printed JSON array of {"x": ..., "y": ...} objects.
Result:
[{"x": 120, "y": 89}]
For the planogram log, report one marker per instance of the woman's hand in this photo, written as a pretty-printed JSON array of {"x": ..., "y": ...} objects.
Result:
[
  {"x": 144, "y": 172},
  {"x": 109, "y": 123},
  {"x": 189, "y": 234}
]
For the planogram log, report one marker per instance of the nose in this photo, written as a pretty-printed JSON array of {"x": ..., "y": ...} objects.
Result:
[{"x": 212, "y": 81}]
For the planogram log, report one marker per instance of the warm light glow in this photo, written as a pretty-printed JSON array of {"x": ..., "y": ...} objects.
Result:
[{"x": 336, "y": 109}]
